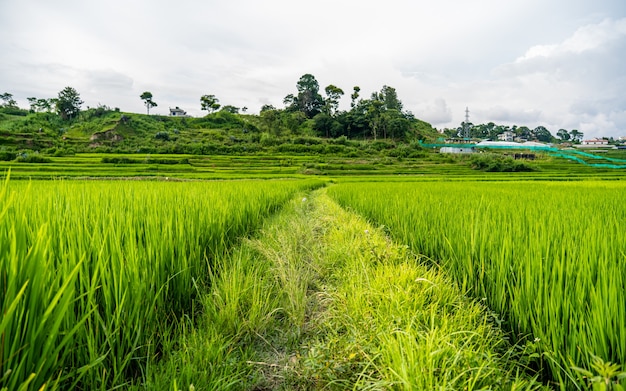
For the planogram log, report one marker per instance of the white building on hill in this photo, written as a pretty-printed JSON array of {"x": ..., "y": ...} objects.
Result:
[
  {"x": 178, "y": 112},
  {"x": 506, "y": 136},
  {"x": 595, "y": 142}
]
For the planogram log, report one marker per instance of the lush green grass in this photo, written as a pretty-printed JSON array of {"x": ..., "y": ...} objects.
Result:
[
  {"x": 321, "y": 300},
  {"x": 93, "y": 273},
  {"x": 548, "y": 258}
]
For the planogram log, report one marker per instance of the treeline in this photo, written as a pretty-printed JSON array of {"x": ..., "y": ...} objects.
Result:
[
  {"x": 309, "y": 112},
  {"x": 492, "y": 131},
  {"x": 313, "y": 113},
  {"x": 67, "y": 104},
  {"x": 380, "y": 117}
]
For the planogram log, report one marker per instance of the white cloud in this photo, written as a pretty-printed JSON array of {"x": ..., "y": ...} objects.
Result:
[
  {"x": 500, "y": 114},
  {"x": 576, "y": 83},
  {"x": 435, "y": 112},
  {"x": 529, "y": 62},
  {"x": 586, "y": 38}
]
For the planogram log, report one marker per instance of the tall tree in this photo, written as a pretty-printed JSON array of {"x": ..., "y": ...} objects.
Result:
[
  {"x": 577, "y": 136},
  {"x": 542, "y": 134},
  {"x": 68, "y": 103},
  {"x": 209, "y": 103},
  {"x": 357, "y": 122},
  {"x": 147, "y": 101},
  {"x": 354, "y": 96},
  {"x": 375, "y": 109},
  {"x": 563, "y": 134},
  {"x": 8, "y": 100},
  {"x": 309, "y": 100},
  {"x": 32, "y": 101},
  {"x": 390, "y": 97},
  {"x": 523, "y": 132},
  {"x": 333, "y": 94}
]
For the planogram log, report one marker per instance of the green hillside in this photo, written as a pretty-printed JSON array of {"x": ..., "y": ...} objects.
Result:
[
  {"x": 102, "y": 130},
  {"x": 100, "y": 142}
]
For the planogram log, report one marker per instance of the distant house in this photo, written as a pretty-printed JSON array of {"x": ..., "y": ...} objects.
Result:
[
  {"x": 178, "y": 112},
  {"x": 458, "y": 141},
  {"x": 506, "y": 136},
  {"x": 595, "y": 141}
]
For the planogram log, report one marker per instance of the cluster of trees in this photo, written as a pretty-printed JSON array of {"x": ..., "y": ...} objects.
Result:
[
  {"x": 310, "y": 111},
  {"x": 491, "y": 131},
  {"x": 573, "y": 135},
  {"x": 380, "y": 116},
  {"x": 207, "y": 102},
  {"x": 8, "y": 101},
  {"x": 67, "y": 104}
]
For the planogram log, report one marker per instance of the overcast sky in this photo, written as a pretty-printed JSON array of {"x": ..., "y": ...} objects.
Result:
[{"x": 556, "y": 63}]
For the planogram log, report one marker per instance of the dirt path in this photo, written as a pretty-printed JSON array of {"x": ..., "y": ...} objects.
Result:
[
  {"x": 364, "y": 313},
  {"x": 322, "y": 300}
]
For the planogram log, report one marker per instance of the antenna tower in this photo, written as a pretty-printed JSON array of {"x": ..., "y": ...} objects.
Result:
[{"x": 466, "y": 129}]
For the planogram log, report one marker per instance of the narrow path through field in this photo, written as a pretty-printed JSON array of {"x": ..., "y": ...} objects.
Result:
[{"x": 321, "y": 299}]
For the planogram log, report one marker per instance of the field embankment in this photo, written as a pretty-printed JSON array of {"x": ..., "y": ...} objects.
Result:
[{"x": 323, "y": 300}]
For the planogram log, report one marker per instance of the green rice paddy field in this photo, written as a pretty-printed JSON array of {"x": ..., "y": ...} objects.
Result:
[
  {"x": 549, "y": 258},
  {"x": 95, "y": 276},
  {"x": 431, "y": 166},
  {"x": 92, "y": 272}
]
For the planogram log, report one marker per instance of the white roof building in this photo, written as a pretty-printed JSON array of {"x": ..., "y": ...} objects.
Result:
[
  {"x": 512, "y": 145},
  {"x": 595, "y": 141},
  {"x": 178, "y": 112}
]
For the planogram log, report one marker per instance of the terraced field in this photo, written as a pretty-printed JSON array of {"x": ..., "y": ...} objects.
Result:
[{"x": 428, "y": 167}]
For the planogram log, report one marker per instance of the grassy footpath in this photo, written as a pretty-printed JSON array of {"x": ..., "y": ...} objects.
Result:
[{"x": 322, "y": 300}]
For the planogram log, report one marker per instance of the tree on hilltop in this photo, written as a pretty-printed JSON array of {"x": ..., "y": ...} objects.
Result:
[
  {"x": 68, "y": 103},
  {"x": 563, "y": 135},
  {"x": 576, "y": 135},
  {"x": 41, "y": 104},
  {"x": 147, "y": 100},
  {"x": 354, "y": 96},
  {"x": 8, "y": 100},
  {"x": 209, "y": 103},
  {"x": 542, "y": 134},
  {"x": 309, "y": 101}
]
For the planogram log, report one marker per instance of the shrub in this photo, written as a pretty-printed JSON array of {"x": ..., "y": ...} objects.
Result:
[
  {"x": 119, "y": 160},
  {"x": 497, "y": 163},
  {"x": 162, "y": 135},
  {"x": 380, "y": 145},
  {"x": 7, "y": 155},
  {"x": 267, "y": 140},
  {"x": 306, "y": 140},
  {"x": 32, "y": 158}
]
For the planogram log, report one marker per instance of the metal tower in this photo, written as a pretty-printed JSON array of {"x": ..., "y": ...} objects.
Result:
[{"x": 466, "y": 129}]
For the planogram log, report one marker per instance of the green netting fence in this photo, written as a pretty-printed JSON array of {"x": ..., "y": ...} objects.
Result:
[{"x": 573, "y": 155}]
